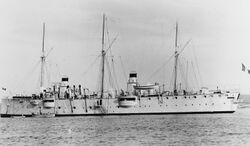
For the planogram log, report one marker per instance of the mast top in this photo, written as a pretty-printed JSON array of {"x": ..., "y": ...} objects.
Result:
[
  {"x": 176, "y": 36},
  {"x": 103, "y": 30},
  {"x": 43, "y": 40}
]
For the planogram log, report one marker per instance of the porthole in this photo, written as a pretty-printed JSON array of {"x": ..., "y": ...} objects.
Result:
[
  {"x": 149, "y": 98},
  {"x": 175, "y": 97},
  {"x": 194, "y": 96},
  {"x": 59, "y": 107},
  {"x": 74, "y": 107}
]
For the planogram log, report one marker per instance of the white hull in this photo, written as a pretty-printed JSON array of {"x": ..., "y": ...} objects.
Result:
[{"x": 212, "y": 103}]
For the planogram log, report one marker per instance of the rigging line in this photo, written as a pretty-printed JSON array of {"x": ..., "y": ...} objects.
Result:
[
  {"x": 109, "y": 75},
  {"x": 163, "y": 74},
  {"x": 111, "y": 82},
  {"x": 109, "y": 49},
  {"x": 192, "y": 78},
  {"x": 195, "y": 75},
  {"x": 107, "y": 32},
  {"x": 197, "y": 66},
  {"x": 98, "y": 87},
  {"x": 150, "y": 77},
  {"x": 91, "y": 65},
  {"x": 185, "y": 77},
  {"x": 49, "y": 52},
  {"x": 124, "y": 72},
  {"x": 182, "y": 72},
  {"x": 170, "y": 59},
  {"x": 171, "y": 85},
  {"x": 110, "y": 45},
  {"x": 184, "y": 46},
  {"x": 48, "y": 73},
  {"x": 114, "y": 72}
]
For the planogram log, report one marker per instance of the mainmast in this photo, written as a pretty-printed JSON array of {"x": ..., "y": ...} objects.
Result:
[
  {"x": 176, "y": 58},
  {"x": 42, "y": 60},
  {"x": 103, "y": 55}
]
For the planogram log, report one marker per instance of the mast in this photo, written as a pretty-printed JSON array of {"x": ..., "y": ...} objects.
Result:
[
  {"x": 187, "y": 76},
  {"x": 103, "y": 56},
  {"x": 42, "y": 60},
  {"x": 176, "y": 58}
]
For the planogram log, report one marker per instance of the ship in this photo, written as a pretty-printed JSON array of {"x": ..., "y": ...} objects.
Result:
[{"x": 63, "y": 99}]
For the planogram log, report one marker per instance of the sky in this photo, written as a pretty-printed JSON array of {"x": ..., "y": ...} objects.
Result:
[{"x": 219, "y": 32}]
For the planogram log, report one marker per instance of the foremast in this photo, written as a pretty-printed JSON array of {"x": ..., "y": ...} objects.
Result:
[
  {"x": 176, "y": 54},
  {"x": 103, "y": 58}
]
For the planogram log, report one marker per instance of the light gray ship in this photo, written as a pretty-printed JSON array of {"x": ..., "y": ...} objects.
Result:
[{"x": 65, "y": 100}]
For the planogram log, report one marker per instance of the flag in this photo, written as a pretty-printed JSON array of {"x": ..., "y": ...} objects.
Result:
[
  {"x": 4, "y": 89},
  {"x": 248, "y": 71},
  {"x": 243, "y": 67}
]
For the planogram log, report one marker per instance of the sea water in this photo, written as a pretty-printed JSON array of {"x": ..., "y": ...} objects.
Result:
[{"x": 186, "y": 129}]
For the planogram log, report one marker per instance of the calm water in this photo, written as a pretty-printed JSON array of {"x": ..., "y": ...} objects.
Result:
[{"x": 213, "y": 129}]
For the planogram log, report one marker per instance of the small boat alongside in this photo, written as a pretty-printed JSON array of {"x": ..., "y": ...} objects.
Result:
[
  {"x": 127, "y": 101},
  {"x": 49, "y": 103}
]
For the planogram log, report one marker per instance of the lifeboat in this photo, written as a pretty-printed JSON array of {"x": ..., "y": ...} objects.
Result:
[
  {"x": 49, "y": 103},
  {"x": 147, "y": 87},
  {"x": 127, "y": 101}
]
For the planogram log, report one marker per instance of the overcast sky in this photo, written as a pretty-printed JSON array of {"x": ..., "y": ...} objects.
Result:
[{"x": 219, "y": 33}]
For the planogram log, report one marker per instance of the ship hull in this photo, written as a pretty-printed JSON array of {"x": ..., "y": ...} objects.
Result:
[{"x": 189, "y": 104}]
